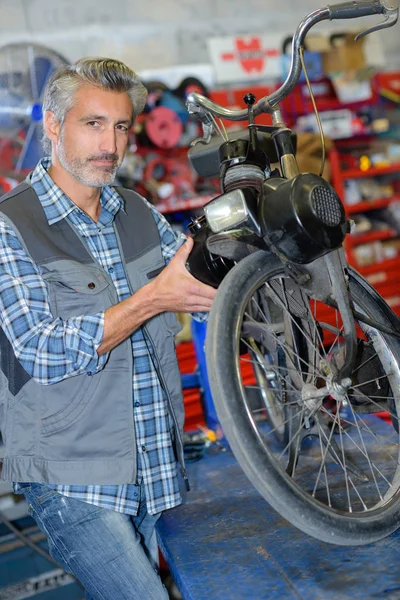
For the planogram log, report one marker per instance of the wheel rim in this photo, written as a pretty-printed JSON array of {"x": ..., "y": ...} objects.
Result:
[{"x": 334, "y": 448}]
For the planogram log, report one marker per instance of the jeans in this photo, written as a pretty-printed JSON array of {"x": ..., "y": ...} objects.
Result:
[{"x": 114, "y": 556}]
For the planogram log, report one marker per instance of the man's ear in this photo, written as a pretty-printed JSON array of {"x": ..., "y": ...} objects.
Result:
[{"x": 51, "y": 126}]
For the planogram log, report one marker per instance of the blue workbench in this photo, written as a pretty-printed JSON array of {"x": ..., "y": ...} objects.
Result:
[{"x": 226, "y": 543}]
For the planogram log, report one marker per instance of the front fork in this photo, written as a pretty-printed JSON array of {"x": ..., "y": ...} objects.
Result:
[
  {"x": 326, "y": 280},
  {"x": 336, "y": 265}
]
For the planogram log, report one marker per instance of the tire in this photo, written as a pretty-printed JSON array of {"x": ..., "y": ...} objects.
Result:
[{"x": 335, "y": 472}]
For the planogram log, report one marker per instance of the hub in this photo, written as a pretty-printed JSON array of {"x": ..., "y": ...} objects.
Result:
[{"x": 313, "y": 397}]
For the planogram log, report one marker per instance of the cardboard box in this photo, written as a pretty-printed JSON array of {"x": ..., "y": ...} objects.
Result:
[
  {"x": 309, "y": 153},
  {"x": 340, "y": 52},
  {"x": 345, "y": 54}
]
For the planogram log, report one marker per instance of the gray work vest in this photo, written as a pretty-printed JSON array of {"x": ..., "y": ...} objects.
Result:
[{"x": 81, "y": 430}]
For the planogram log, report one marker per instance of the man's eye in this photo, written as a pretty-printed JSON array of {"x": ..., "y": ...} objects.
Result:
[
  {"x": 123, "y": 128},
  {"x": 93, "y": 123}
]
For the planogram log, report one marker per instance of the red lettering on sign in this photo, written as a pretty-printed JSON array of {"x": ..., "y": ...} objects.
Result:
[
  {"x": 228, "y": 56},
  {"x": 250, "y": 54}
]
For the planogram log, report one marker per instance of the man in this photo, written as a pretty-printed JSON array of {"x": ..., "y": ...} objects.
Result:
[{"x": 91, "y": 406}]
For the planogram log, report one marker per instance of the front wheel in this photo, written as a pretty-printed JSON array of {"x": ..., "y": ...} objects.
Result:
[{"x": 320, "y": 454}]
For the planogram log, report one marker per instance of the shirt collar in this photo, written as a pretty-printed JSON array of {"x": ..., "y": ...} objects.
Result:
[{"x": 56, "y": 204}]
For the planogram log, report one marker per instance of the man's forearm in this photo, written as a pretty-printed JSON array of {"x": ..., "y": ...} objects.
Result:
[{"x": 122, "y": 319}]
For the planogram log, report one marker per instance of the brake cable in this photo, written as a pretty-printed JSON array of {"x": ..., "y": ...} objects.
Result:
[{"x": 321, "y": 131}]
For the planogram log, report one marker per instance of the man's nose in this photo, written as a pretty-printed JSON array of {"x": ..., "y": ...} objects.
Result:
[{"x": 108, "y": 142}]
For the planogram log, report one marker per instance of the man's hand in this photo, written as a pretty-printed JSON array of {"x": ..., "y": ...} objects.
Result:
[
  {"x": 173, "y": 290},
  {"x": 176, "y": 290}
]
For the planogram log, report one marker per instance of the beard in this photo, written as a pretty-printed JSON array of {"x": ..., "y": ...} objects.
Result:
[{"x": 85, "y": 170}]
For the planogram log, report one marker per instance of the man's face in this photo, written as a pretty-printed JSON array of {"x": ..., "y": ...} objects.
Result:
[{"x": 93, "y": 138}]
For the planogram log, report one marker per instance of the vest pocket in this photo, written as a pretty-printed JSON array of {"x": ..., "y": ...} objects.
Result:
[
  {"x": 75, "y": 395},
  {"x": 78, "y": 292}
]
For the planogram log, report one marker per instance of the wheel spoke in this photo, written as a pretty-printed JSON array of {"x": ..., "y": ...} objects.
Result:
[
  {"x": 295, "y": 435},
  {"x": 364, "y": 363},
  {"x": 323, "y": 462},
  {"x": 369, "y": 381},
  {"x": 361, "y": 395},
  {"x": 361, "y": 451},
  {"x": 306, "y": 336},
  {"x": 335, "y": 341},
  {"x": 273, "y": 430},
  {"x": 376, "y": 437},
  {"x": 297, "y": 445},
  {"x": 271, "y": 367},
  {"x": 369, "y": 399},
  {"x": 346, "y": 476},
  {"x": 365, "y": 452},
  {"x": 341, "y": 464},
  {"x": 283, "y": 348}
]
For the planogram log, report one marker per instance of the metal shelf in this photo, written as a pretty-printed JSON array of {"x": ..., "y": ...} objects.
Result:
[
  {"x": 372, "y": 172},
  {"x": 369, "y": 205},
  {"x": 386, "y": 265},
  {"x": 357, "y": 239}
]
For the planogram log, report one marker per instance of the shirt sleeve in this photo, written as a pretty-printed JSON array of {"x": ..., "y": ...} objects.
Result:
[
  {"x": 49, "y": 348},
  {"x": 171, "y": 241}
]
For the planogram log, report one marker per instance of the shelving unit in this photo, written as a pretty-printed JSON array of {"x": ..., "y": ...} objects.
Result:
[{"x": 384, "y": 274}]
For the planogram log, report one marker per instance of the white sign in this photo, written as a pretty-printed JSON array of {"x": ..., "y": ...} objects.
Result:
[{"x": 246, "y": 57}]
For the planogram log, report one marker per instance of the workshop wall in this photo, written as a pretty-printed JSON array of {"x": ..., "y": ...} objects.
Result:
[{"x": 156, "y": 33}]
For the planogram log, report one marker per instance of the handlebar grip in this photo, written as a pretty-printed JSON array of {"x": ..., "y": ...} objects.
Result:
[{"x": 352, "y": 10}]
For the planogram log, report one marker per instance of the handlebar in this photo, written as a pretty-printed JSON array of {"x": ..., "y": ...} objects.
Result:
[
  {"x": 352, "y": 10},
  {"x": 202, "y": 107}
]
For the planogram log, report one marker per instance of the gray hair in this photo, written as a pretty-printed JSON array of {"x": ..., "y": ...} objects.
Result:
[{"x": 105, "y": 73}]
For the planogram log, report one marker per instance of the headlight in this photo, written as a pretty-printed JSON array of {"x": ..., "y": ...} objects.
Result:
[{"x": 231, "y": 210}]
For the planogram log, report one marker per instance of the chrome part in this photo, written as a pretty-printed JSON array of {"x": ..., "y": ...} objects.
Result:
[
  {"x": 276, "y": 116},
  {"x": 229, "y": 211},
  {"x": 207, "y": 134},
  {"x": 312, "y": 396},
  {"x": 305, "y": 25},
  {"x": 391, "y": 12},
  {"x": 339, "y": 390}
]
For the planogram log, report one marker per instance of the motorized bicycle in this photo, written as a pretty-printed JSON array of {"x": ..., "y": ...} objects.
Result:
[{"x": 323, "y": 347}]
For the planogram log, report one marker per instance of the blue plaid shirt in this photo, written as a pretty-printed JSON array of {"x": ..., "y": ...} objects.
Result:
[{"x": 37, "y": 337}]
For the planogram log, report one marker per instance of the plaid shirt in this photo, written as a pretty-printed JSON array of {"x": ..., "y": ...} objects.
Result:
[{"x": 38, "y": 340}]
